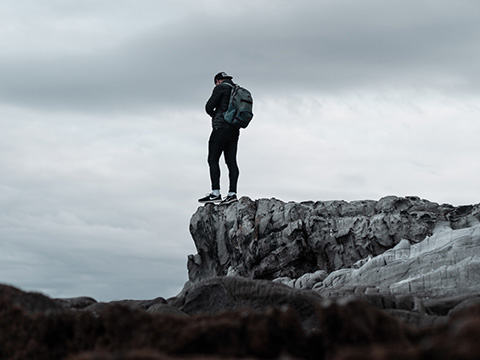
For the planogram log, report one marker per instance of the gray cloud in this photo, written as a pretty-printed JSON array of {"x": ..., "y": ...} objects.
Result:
[{"x": 302, "y": 47}]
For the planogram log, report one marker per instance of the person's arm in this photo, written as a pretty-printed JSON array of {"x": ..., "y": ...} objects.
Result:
[{"x": 214, "y": 101}]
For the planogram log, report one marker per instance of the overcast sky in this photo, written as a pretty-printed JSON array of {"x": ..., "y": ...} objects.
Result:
[{"x": 103, "y": 139}]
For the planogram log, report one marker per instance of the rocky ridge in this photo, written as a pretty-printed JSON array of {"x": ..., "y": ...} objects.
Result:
[{"x": 416, "y": 259}]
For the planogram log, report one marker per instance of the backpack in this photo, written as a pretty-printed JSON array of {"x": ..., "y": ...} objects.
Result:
[{"x": 239, "y": 112}]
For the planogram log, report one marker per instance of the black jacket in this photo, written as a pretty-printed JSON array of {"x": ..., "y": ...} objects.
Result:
[{"x": 218, "y": 104}]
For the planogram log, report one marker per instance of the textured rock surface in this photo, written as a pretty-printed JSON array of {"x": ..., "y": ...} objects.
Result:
[
  {"x": 233, "y": 293},
  {"x": 268, "y": 239},
  {"x": 415, "y": 259},
  {"x": 421, "y": 283},
  {"x": 444, "y": 264}
]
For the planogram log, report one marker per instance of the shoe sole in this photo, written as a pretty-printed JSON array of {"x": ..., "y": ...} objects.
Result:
[
  {"x": 229, "y": 202},
  {"x": 210, "y": 202}
]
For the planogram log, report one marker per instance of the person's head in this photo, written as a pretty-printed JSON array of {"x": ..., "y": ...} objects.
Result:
[{"x": 220, "y": 77}]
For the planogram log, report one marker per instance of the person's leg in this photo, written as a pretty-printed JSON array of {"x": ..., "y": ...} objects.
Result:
[
  {"x": 215, "y": 148},
  {"x": 230, "y": 153}
]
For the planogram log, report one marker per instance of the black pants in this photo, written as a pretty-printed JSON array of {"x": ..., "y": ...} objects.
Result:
[{"x": 223, "y": 140}]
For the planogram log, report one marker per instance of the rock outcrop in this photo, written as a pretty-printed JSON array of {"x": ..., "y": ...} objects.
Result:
[
  {"x": 413, "y": 258},
  {"x": 268, "y": 239}
]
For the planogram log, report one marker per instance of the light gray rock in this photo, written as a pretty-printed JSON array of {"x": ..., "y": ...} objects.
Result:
[
  {"x": 285, "y": 280},
  {"x": 443, "y": 265},
  {"x": 308, "y": 281}
]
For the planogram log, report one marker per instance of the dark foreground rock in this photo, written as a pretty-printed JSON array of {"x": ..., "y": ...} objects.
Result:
[
  {"x": 255, "y": 329},
  {"x": 218, "y": 295}
]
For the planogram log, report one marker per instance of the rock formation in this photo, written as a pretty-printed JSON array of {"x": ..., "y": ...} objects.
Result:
[
  {"x": 268, "y": 239},
  {"x": 416, "y": 259},
  {"x": 397, "y": 278}
]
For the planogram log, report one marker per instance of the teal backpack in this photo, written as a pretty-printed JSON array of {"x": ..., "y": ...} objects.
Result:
[{"x": 239, "y": 112}]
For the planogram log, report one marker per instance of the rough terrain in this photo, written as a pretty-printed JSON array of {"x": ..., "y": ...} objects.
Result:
[{"x": 396, "y": 278}]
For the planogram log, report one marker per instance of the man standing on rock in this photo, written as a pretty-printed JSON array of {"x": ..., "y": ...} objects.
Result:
[{"x": 223, "y": 139}]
